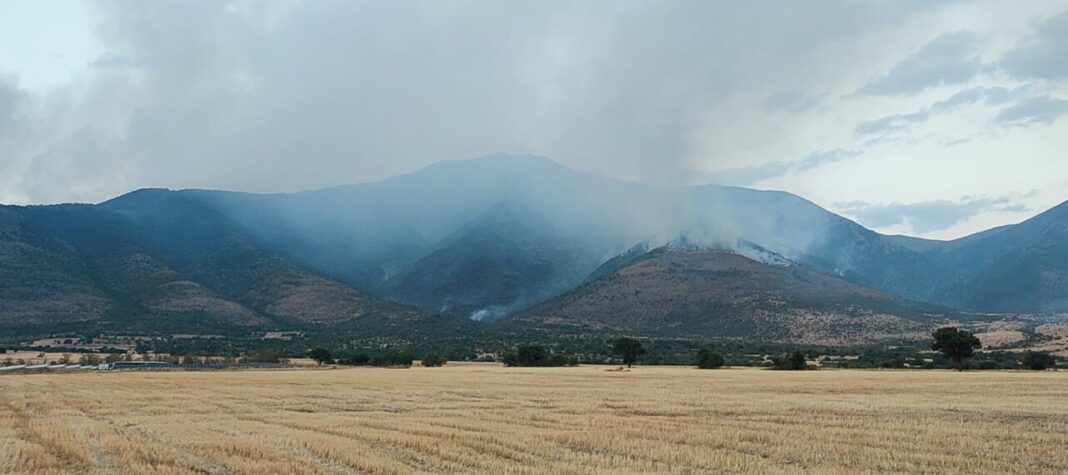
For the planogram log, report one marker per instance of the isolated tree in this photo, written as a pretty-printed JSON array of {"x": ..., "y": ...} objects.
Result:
[
  {"x": 629, "y": 349},
  {"x": 708, "y": 359},
  {"x": 1039, "y": 360},
  {"x": 320, "y": 355},
  {"x": 955, "y": 344}
]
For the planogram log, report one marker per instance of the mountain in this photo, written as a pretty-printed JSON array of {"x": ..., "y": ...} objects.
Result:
[
  {"x": 159, "y": 261},
  {"x": 470, "y": 239},
  {"x": 1018, "y": 268},
  {"x": 703, "y": 294},
  {"x": 503, "y": 260}
]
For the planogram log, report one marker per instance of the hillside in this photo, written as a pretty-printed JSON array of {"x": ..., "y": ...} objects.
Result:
[
  {"x": 485, "y": 238},
  {"x": 416, "y": 237},
  {"x": 722, "y": 294},
  {"x": 155, "y": 261}
]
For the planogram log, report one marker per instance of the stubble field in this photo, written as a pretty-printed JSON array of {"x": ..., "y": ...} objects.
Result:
[{"x": 489, "y": 419}]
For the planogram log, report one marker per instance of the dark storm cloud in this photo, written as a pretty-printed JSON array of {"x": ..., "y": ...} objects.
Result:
[
  {"x": 1044, "y": 54},
  {"x": 926, "y": 216},
  {"x": 948, "y": 59}
]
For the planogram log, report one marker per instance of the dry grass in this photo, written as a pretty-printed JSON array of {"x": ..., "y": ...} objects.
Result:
[{"x": 488, "y": 419}]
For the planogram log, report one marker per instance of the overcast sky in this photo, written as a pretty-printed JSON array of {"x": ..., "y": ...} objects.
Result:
[{"x": 928, "y": 118}]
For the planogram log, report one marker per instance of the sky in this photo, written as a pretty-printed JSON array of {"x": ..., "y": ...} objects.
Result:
[{"x": 928, "y": 118}]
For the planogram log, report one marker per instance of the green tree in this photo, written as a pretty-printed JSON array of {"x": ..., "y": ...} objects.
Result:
[
  {"x": 708, "y": 359},
  {"x": 434, "y": 360},
  {"x": 629, "y": 349},
  {"x": 955, "y": 344},
  {"x": 1039, "y": 360},
  {"x": 320, "y": 355}
]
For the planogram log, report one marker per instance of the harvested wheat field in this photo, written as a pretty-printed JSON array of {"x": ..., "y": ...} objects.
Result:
[{"x": 490, "y": 419}]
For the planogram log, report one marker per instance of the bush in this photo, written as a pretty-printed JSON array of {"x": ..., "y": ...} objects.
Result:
[
  {"x": 393, "y": 358},
  {"x": 536, "y": 355},
  {"x": 434, "y": 360},
  {"x": 1039, "y": 360},
  {"x": 708, "y": 359},
  {"x": 355, "y": 359},
  {"x": 789, "y": 361},
  {"x": 320, "y": 355},
  {"x": 261, "y": 357}
]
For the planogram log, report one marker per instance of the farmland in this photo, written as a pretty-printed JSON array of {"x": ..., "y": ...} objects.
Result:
[{"x": 489, "y": 419}]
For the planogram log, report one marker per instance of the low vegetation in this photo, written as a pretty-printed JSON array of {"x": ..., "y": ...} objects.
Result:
[
  {"x": 789, "y": 361},
  {"x": 536, "y": 355},
  {"x": 708, "y": 359},
  {"x": 1039, "y": 360},
  {"x": 432, "y": 360}
]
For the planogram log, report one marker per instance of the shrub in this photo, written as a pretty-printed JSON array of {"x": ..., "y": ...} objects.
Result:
[
  {"x": 320, "y": 355},
  {"x": 434, "y": 360},
  {"x": 536, "y": 355},
  {"x": 708, "y": 359},
  {"x": 393, "y": 358},
  {"x": 789, "y": 361},
  {"x": 355, "y": 359},
  {"x": 1039, "y": 360},
  {"x": 264, "y": 356}
]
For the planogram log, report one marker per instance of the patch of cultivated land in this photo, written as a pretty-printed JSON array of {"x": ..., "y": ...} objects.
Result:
[{"x": 490, "y": 419}]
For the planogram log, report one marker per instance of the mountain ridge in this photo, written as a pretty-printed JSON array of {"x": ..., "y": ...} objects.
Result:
[{"x": 484, "y": 237}]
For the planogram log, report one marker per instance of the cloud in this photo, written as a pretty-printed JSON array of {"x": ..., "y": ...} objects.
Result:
[
  {"x": 948, "y": 59},
  {"x": 749, "y": 175},
  {"x": 895, "y": 122},
  {"x": 967, "y": 96},
  {"x": 927, "y": 216},
  {"x": 282, "y": 95},
  {"x": 1034, "y": 110},
  {"x": 791, "y": 100},
  {"x": 890, "y": 123},
  {"x": 1043, "y": 54},
  {"x": 822, "y": 157}
]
